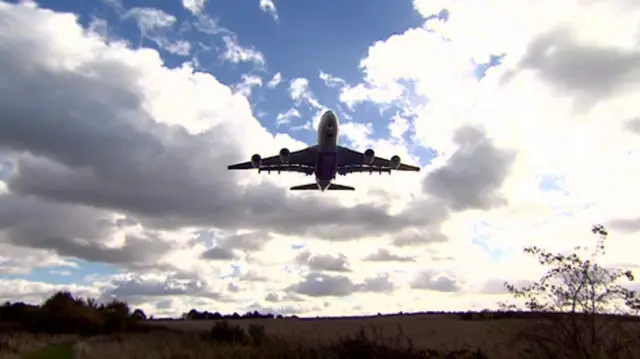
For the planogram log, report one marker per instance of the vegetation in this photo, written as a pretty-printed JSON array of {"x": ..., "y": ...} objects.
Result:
[
  {"x": 578, "y": 309},
  {"x": 583, "y": 310}
]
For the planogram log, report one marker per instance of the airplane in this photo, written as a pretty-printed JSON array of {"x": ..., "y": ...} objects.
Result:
[{"x": 325, "y": 160}]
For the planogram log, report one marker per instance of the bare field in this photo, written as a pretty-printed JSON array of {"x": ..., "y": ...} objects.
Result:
[{"x": 425, "y": 331}]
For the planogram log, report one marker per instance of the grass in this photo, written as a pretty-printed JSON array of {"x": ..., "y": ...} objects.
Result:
[{"x": 54, "y": 351}]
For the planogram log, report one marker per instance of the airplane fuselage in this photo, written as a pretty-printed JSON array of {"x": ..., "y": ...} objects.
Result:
[{"x": 327, "y": 161}]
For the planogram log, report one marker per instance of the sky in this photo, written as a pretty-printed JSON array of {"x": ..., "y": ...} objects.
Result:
[{"x": 118, "y": 119}]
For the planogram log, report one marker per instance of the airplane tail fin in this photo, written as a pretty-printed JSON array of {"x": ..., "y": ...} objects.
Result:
[
  {"x": 305, "y": 187},
  {"x": 339, "y": 187},
  {"x": 314, "y": 187}
]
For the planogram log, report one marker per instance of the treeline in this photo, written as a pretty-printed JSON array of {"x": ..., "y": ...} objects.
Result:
[
  {"x": 63, "y": 313},
  {"x": 194, "y": 314}
]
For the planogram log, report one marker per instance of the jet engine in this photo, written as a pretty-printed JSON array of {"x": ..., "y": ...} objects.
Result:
[
  {"x": 284, "y": 155},
  {"x": 369, "y": 156},
  {"x": 395, "y": 162},
  {"x": 256, "y": 161}
]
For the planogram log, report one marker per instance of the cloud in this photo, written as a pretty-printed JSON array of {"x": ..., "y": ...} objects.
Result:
[
  {"x": 441, "y": 283},
  {"x": 633, "y": 125},
  {"x": 330, "y": 80},
  {"x": 219, "y": 253},
  {"x": 235, "y": 53},
  {"x": 139, "y": 288},
  {"x": 384, "y": 255},
  {"x": 285, "y": 118},
  {"x": 275, "y": 81},
  {"x": 154, "y": 24},
  {"x": 560, "y": 105},
  {"x": 207, "y": 25},
  {"x": 323, "y": 285},
  {"x": 247, "y": 84},
  {"x": 324, "y": 262},
  {"x": 592, "y": 73},
  {"x": 115, "y": 4},
  {"x": 270, "y": 8},
  {"x": 472, "y": 174},
  {"x": 300, "y": 92},
  {"x": 194, "y": 6}
]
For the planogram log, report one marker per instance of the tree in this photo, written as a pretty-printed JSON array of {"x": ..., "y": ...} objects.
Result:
[
  {"x": 138, "y": 314},
  {"x": 576, "y": 298}
]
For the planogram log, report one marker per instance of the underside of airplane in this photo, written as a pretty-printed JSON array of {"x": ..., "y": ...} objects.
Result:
[{"x": 326, "y": 160}]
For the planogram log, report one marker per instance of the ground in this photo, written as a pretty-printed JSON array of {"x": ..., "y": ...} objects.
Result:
[{"x": 441, "y": 332}]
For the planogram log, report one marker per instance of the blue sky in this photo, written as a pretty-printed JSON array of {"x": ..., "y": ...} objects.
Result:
[{"x": 308, "y": 38}]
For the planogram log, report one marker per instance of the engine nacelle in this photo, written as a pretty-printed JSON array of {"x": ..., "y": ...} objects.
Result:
[
  {"x": 369, "y": 156},
  {"x": 256, "y": 161},
  {"x": 395, "y": 162},
  {"x": 284, "y": 155}
]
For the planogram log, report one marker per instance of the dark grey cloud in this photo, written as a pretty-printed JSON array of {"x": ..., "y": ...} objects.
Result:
[
  {"x": 219, "y": 253},
  {"x": 590, "y": 72},
  {"x": 421, "y": 236},
  {"x": 324, "y": 262},
  {"x": 432, "y": 281},
  {"x": 248, "y": 241},
  {"x": 384, "y": 255},
  {"x": 324, "y": 285},
  {"x": 165, "y": 304},
  {"x": 226, "y": 247},
  {"x": 76, "y": 231},
  {"x": 379, "y": 284},
  {"x": 473, "y": 174}
]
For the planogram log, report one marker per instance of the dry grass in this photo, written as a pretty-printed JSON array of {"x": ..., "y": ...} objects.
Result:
[
  {"x": 441, "y": 332},
  {"x": 17, "y": 344},
  {"x": 293, "y": 338}
]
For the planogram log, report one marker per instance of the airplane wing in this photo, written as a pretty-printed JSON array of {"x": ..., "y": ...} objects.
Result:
[
  {"x": 351, "y": 161},
  {"x": 302, "y": 161}
]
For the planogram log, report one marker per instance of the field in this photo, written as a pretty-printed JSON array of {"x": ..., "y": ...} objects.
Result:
[
  {"x": 425, "y": 331},
  {"x": 444, "y": 333},
  {"x": 394, "y": 336}
]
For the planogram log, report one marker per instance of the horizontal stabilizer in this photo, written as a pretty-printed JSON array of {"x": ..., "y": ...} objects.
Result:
[
  {"x": 339, "y": 187},
  {"x": 305, "y": 187}
]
